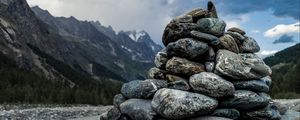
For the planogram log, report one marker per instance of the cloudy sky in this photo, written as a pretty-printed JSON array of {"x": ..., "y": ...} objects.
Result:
[{"x": 273, "y": 23}]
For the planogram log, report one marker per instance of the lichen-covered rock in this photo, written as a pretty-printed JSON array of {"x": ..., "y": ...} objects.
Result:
[
  {"x": 179, "y": 85},
  {"x": 252, "y": 85},
  {"x": 142, "y": 89},
  {"x": 197, "y": 14},
  {"x": 212, "y": 26},
  {"x": 161, "y": 58},
  {"x": 176, "y": 30},
  {"x": 211, "y": 84},
  {"x": 238, "y": 30},
  {"x": 245, "y": 100},
  {"x": 118, "y": 99},
  {"x": 155, "y": 73},
  {"x": 187, "y": 48},
  {"x": 138, "y": 109},
  {"x": 240, "y": 66},
  {"x": 227, "y": 113},
  {"x": 268, "y": 113},
  {"x": 181, "y": 66},
  {"x": 177, "y": 104},
  {"x": 250, "y": 46},
  {"x": 210, "y": 39},
  {"x": 227, "y": 42},
  {"x": 183, "y": 19}
]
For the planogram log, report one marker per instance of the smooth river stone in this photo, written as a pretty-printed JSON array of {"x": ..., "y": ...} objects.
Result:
[
  {"x": 227, "y": 42},
  {"x": 268, "y": 113},
  {"x": 250, "y": 46},
  {"x": 213, "y": 40},
  {"x": 181, "y": 66},
  {"x": 238, "y": 30},
  {"x": 253, "y": 85},
  {"x": 177, "y": 104},
  {"x": 138, "y": 109},
  {"x": 212, "y": 26},
  {"x": 227, "y": 112}
]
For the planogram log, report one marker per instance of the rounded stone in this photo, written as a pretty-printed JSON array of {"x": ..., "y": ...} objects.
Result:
[
  {"x": 212, "y": 26},
  {"x": 156, "y": 73},
  {"x": 227, "y": 113},
  {"x": 239, "y": 39},
  {"x": 161, "y": 58},
  {"x": 209, "y": 66},
  {"x": 197, "y": 14},
  {"x": 227, "y": 42},
  {"x": 138, "y": 109},
  {"x": 181, "y": 66},
  {"x": 187, "y": 48},
  {"x": 268, "y": 113},
  {"x": 211, "y": 84},
  {"x": 252, "y": 85},
  {"x": 238, "y": 30},
  {"x": 177, "y": 104},
  {"x": 118, "y": 99},
  {"x": 209, "y": 118},
  {"x": 183, "y": 19},
  {"x": 267, "y": 80},
  {"x": 173, "y": 78},
  {"x": 176, "y": 30},
  {"x": 180, "y": 85},
  {"x": 249, "y": 46},
  {"x": 245, "y": 100},
  {"x": 210, "y": 39},
  {"x": 142, "y": 89},
  {"x": 240, "y": 66},
  {"x": 112, "y": 114}
]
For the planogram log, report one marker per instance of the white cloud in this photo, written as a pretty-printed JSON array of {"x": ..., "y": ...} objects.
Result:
[
  {"x": 231, "y": 24},
  {"x": 234, "y": 21},
  {"x": 283, "y": 29},
  {"x": 266, "y": 53},
  {"x": 255, "y": 31}
]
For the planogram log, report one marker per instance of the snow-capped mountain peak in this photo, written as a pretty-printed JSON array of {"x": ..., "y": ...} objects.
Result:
[{"x": 136, "y": 35}]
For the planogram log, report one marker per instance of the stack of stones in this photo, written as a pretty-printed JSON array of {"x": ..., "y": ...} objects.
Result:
[{"x": 204, "y": 73}]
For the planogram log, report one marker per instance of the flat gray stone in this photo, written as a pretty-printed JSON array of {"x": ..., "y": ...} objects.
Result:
[
  {"x": 181, "y": 66},
  {"x": 210, "y": 39},
  {"x": 268, "y": 113},
  {"x": 250, "y": 46},
  {"x": 227, "y": 113},
  {"x": 252, "y": 85},
  {"x": 212, "y": 26},
  {"x": 138, "y": 109}
]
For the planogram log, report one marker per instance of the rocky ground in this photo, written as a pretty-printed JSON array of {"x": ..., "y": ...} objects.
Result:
[{"x": 85, "y": 112}]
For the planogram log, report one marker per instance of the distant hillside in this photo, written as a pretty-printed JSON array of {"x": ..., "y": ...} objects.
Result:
[{"x": 286, "y": 72}]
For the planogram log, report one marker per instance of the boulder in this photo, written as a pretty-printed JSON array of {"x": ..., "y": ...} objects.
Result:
[
  {"x": 161, "y": 58},
  {"x": 138, "y": 109},
  {"x": 118, "y": 99},
  {"x": 187, "y": 48},
  {"x": 240, "y": 66},
  {"x": 176, "y": 30},
  {"x": 210, "y": 39},
  {"x": 238, "y": 30},
  {"x": 212, "y": 26},
  {"x": 177, "y": 104},
  {"x": 249, "y": 46},
  {"x": 227, "y": 113},
  {"x": 181, "y": 66},
  {"x": 197, "y": 14},
  {"x": 156, "y": 73},
  {"x": 142, "y": 89},
  {"x": 180, "y": 85},
  {"x": 211, "y": 84},
  {"x": 268, "y": 113},
  {"x": 252, "y": 85},
  {"x": 245, "y": 100},
  {"x": 227, "y": 42}
]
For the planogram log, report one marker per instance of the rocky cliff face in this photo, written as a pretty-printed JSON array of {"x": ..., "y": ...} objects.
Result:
[{"x": 87, "y": 47}]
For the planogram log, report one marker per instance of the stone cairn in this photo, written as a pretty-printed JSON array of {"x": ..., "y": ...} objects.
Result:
[{"x": 204, "y": 73}]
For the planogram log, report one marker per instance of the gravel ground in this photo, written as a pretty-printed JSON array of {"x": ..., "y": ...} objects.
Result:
[{"x": 86, "y": 112}]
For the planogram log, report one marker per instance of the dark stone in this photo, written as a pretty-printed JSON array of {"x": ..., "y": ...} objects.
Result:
[
  {"x": 238, "y": 30},
  {"x": 210, "y": 39},
  {"x": 197, "y": 14},
  {"x": 183, "y": 19},
  {"x": 176, "y": 30},
  {"x": 209, "y": 118},
  {"x": 211, "y": 84},
  {"x": 245, "y": 100},
  {"x": 138, "y": 109},
  {"x": 250, "y": 46},
  {"x": 268, "y": 113},
  {"x": 211, "y": 55},
  {"x": 142, "y": 89},
  {"x": 161, "y": 58},
  {"x": 187, "y": 48},
  {"x": 212, "y": 26},
  {"x": 252, "y": 85},
  {"x": 227, "y": 113},
  {"x": 173, "y": 78},
  {"x": 209, "y": 66},
  {"x": 267, "y": 80},
  {"x": 181, "y": 66},
  {"x": 180, "y": 85},
  {"x": 112, "y": 114},
  {"x": 227, "y": 42},
  {"x": 177, "y": 104},
  {"x": 239, "y": 39},
  {"x": 118, "y": 99},
  {"x": 155, "y": 73},
  {"x": 240, "y": 66},
  {"x": 212, "y": 11}
]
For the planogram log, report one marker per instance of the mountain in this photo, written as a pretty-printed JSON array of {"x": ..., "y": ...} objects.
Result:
[
  {"x": 64, "y": 60},
  {"x": 285, "y": 67}
]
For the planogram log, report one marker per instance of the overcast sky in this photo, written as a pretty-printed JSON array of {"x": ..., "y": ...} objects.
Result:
[{"x": 273, "y": 23}]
